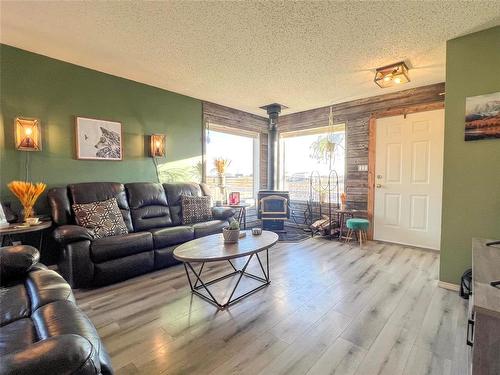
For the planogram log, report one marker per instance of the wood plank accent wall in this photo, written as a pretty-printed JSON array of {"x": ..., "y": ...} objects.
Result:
[
  {"x": 234, "y": 118},
  {"x": 356, "y": 115}
]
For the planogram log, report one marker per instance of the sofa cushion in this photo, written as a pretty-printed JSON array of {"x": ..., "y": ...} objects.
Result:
[
  {"x": 174, "y": 193},
  {"x": 123, "y": 268},
  {"x": 107, "y": 248},
  {"x": 163, "y": 237},
  {"x": 148, "y": 205},
  {"x": 195, "y": 209},
  {"x": 209, "y": 227},
  {"x": 17, "y": 335},
  {"x": 62, "y": 318},
  {"x": 66, "y": 354},
  {"x": 165, "y": 257},
  {"x": 46, "y": 287},
  {"x": 100, "y": 191},
  {"x": 103, "y": 219},
  {"x": 16, "y": 261},
  {"x": 14, "y": 304}
]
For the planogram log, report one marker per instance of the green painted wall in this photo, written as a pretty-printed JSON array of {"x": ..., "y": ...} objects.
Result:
[
  {"x": 54, "y": 91},
  {"x": 471, "y": 189}
]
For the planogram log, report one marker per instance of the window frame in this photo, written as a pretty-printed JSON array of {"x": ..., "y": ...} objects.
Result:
[
  {"x": 318, "y": 130},
  {"x": 255, "y": 136}
]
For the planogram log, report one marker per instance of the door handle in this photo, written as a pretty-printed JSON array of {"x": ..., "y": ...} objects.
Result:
[
  {"x": 470, "y": 332},
  {"x": 378, "y": 186}
]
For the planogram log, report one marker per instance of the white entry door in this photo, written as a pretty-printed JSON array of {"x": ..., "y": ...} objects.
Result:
[{"x": 409, "y": 179}]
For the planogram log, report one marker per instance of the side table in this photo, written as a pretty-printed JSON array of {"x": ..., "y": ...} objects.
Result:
[
  {"x": 8, "y": 233},
  {"x": 242, "y": 213}
]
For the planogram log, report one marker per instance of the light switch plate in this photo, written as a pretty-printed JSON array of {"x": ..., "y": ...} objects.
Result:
[{"x": 362, "y": 168}]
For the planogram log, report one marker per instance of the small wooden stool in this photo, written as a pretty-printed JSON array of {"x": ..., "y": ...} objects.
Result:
[{"x": 359, "y": 227}]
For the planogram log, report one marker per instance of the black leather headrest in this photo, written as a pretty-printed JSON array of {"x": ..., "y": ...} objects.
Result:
[
  {"x": 141, "y": 194},
  {"x": 17, "y": 261}
]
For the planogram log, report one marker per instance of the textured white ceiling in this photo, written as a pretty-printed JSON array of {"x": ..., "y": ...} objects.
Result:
[{"x": 247, "y": 54}]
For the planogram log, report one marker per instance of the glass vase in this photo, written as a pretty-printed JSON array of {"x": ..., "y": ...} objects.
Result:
[{"x": 27, "y": 212}]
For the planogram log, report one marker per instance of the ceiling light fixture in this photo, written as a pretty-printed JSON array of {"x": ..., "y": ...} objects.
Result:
[{"x": 390, "y": 75}]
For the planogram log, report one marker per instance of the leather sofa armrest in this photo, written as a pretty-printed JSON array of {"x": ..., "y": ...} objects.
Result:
[
  {"x": 64, "y": 354},
  {"x": 71, "y": 233},
  {"x": 222, "y": 213}
]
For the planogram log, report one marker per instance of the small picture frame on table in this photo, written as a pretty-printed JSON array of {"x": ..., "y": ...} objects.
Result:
[{"x": 234, "y": 198}]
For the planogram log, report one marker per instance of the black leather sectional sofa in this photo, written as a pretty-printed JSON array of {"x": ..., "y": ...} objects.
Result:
[
  {"x": 153, "y": 215},
  {"x": 42, "y": 330}
]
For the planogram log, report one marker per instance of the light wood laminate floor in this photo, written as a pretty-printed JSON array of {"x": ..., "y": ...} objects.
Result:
[{"x": 331, "y": 308}]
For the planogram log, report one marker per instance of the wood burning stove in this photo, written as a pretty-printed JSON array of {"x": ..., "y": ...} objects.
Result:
[{"x": 273, "y": 209}]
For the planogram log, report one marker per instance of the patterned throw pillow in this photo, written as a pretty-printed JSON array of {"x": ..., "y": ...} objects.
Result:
[
  {"x": 103, "y": 219},
  {"x": 195, "y": 209}
]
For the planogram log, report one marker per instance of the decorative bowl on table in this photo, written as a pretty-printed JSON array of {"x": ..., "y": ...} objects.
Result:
[{"x": 256, "y": 231}]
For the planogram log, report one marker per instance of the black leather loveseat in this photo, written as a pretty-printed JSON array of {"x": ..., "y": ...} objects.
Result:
[
  {"x": 42, "y": 330},
  {"x": 153, "y": 215}
]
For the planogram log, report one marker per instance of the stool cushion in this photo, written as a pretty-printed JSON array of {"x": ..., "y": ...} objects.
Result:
[{"x": 358, "y": 224}]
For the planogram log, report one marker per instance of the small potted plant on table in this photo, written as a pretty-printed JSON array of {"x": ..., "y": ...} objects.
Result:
[{"x": 231, "y": 233}]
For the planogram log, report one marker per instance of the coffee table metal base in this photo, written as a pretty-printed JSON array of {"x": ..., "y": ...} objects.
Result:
[{"x": 199, "y": 284}]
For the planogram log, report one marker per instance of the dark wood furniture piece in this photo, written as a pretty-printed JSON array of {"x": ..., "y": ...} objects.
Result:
[
  {"x": 9, "y": 233},
  {"x": 213, "y": 249},
  {"x": 483, "y": 331}
]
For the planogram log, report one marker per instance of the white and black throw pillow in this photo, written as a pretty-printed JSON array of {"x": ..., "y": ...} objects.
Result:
[
  {"x": 103, "y": 219},
  {"x": 195, "y": 209}
]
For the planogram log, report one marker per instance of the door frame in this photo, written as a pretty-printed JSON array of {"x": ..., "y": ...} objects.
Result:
[{"x": 372, "y": 145}]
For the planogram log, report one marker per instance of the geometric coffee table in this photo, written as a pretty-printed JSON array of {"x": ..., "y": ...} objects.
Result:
[{"x": 213, "y": 249}]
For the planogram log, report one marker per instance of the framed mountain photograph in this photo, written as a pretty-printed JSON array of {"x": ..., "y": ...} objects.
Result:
[
  {"x": 98, "y": 139},
  {"x": 482, "y": 117}
]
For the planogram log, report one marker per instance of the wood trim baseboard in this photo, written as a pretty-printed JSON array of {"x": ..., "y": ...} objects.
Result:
[{"x": 449, "y": 286}]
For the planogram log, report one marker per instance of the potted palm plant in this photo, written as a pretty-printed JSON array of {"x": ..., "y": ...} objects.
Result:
[{"x": 231, "y": 233}]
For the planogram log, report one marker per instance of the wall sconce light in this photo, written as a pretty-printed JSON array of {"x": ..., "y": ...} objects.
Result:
[
  {"x": 158, "y": 145},
  {"x": 391, "y": 75},
  {"x": 28, "y": 134}
]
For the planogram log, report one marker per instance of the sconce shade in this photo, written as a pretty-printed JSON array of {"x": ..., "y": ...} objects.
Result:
[
  {"x": 158, "y": 145},
  {"x": 28, "y": 134},
  {"x": 391, "y": 75}
]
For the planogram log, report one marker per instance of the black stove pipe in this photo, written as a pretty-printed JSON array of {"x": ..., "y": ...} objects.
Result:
[{"x": 273, "y": 110}]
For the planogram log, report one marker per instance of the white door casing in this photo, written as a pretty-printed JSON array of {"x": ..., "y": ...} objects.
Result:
[{"x": 409, "y": 179}]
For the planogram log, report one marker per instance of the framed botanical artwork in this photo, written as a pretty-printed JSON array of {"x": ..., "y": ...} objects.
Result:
[
  {"x": 482, "y": 117},
  {"x": 98, "y": 139}
]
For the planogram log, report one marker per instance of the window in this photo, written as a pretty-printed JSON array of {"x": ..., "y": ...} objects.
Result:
[
  {"x": 314, "y": 150},
  {"x": 241, "y": 150}
]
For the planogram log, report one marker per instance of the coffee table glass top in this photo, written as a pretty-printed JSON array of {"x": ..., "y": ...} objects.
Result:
[{"x": 212, "y": 248}]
